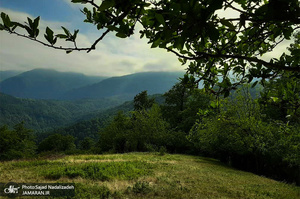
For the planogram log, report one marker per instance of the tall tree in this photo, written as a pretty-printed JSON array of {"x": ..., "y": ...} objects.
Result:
[
  {"x": 182, "y": 105},
  {"x": 142, "y": 102},
  {"x": 198, "y": 32}
]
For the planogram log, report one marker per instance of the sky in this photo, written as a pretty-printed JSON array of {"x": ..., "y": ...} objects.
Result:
[{"x": 113, "y": 56}]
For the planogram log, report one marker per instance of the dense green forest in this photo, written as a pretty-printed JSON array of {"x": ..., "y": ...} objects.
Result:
[{"x": 43, "y": 115}]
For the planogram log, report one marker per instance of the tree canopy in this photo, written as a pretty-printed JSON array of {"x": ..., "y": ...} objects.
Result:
[{"x": 213, "y": 44}]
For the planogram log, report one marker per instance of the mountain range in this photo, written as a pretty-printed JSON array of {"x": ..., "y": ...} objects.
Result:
[
  {"x": 51, "y": 84},
  {"x": 8, "y": 73},
  {"x": 45, "y": 83},
  {"x": 126, "y": 87}
]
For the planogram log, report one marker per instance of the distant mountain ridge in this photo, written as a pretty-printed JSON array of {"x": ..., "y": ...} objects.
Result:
[
  {"x": 45, "y": 83},
  {"x": 8, "y": 73},
  {"x": 128, "y": 86},
  {"x": 51, "y": 84}
]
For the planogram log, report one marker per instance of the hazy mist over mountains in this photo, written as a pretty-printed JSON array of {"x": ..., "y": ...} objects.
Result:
[{"x": 51, "y": 84}]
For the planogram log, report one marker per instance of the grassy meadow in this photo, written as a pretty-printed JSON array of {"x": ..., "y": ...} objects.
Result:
[{"x": 146, "y": 175}]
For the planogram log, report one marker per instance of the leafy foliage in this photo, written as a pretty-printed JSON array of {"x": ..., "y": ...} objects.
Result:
[
  {"x": 182, "y": 105},
  {"x": 242, "y": 137},
  {"x": 281, "y": 98},
  {"x": 142, "y": 102},
  {"x": 16, "y": 143},
  {"x": 57, "y": 143},
  {"x": 143, "y": 131}
]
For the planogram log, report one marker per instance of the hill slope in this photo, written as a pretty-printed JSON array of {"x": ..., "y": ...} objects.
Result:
[
  {"x": 45, "y": 83},
  {"x": 147, "y": 175},
  {"x": 43, "y": 115},
  {"x": 8, "y": 73},
  {"x": 128, "y": 86}
]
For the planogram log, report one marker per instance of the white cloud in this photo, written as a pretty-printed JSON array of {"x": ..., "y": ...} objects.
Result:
[
  {"x": 80, "y": 5},
  {"x": 113, "y": 56}
]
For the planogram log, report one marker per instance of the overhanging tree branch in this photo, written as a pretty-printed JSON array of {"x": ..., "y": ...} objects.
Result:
[
  {"x": 48, "y": 45},
  {"x": 203, "y": 55}
]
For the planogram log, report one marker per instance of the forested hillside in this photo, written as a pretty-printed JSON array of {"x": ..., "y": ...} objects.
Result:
[{"x": 41, "y": 115}]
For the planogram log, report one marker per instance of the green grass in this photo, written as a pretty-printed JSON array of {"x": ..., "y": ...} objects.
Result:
[
  {"x": 104, "y": 171},
  {"x": 147, "y": 175}
]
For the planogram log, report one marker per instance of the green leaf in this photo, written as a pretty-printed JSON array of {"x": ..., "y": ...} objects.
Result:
[
  {"x": 68, "y": 34},
  {"x": 49, "y": 32},
  {"x": 30, "y": 23},
  {"x": 213, "y": 33},
  {"x": 50, "y": 36},
  {"x": 62, "y": 36},
  {"x": 254, "y": 84},
  {"x": 275, "y": 99},
  {"x": 215, "y": 5},
  {"x": 296, "y": 52},
  {"x": 36, "y": 22},
  {"x": 121, "y": 35},
  {"x": 106, "y": 4},
  {"x": 155, "y": 43},
  {"x": 160, "y": 18},
  {"x": 75, "y": 34},
  {"x": 179, "y": 43},
  {"x": 6, "y": 20},
  {"x": 227, "y": 23},
  {"x": 213, "y": 104},
  {"x": 29, "y": 30}
]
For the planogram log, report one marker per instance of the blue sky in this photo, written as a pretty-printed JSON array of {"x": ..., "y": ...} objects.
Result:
[
  {"x": 113, "y": 56},
  {"x": 49, "y": 10}
]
